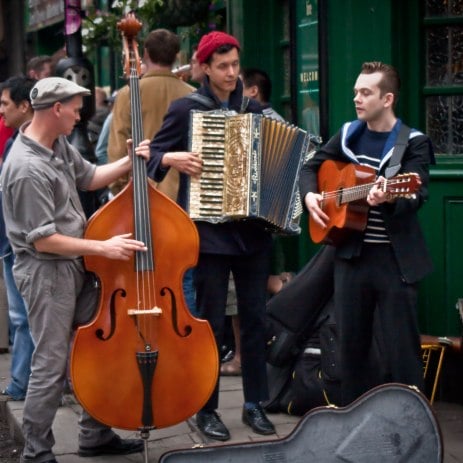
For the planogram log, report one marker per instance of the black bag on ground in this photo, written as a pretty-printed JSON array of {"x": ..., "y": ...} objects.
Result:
[
  {"x": 311, "y": 379},
  {"x": 292, "y": 313}
]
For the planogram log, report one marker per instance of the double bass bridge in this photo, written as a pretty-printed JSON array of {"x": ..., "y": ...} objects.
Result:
[{"x": 154, "y": 311}]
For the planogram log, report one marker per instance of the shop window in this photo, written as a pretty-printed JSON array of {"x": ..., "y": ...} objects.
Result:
[{"x": 444, "y": 74}]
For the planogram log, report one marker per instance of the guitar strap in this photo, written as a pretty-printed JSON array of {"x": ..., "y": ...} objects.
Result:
[{"x": 398, "y": 152}]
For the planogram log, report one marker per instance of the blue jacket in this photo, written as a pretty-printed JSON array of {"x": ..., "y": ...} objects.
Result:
[{"x": 232, "y": 238}]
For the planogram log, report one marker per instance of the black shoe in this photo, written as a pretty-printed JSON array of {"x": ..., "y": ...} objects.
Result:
[
  {"x": 52, "y": 460},
  {"x": 210, "y": 424},
  {"x": 256, "y": 418},
  {"x": 116, "y": 446}
]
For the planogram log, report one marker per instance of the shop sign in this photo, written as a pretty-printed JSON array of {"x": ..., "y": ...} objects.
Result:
[{"x": 43, "y": 13}]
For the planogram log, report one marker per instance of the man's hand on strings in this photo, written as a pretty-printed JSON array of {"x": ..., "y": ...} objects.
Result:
[
  {"x": 121, "y": 247},
  {"x": 378, "y": 194},
  {"x": 143, "y": 149},
  {"x": 313, "y": 201}
]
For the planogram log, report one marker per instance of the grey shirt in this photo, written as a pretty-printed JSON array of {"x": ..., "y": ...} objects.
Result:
[{"x": 40, "y": 195}]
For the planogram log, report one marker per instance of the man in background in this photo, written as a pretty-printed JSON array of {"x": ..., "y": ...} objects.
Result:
[
  {"x": 158, "y": 88},
  {"x": 39, "y": 67},
  {"x": 16, "y": 109},
  {"x": 257, "y": 85}
]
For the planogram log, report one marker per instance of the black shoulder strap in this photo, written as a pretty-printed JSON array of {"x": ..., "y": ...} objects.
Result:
[
  {"x": 244, "y": 104},
  {"x": 398, "y": 152},
  {"x": 209, "y": 103}
]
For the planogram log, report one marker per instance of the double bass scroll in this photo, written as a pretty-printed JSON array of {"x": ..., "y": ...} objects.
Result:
[{"x": 130, "y": 364}]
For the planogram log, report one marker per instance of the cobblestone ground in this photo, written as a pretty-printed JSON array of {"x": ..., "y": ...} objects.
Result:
[{"x": 9, "y": 449}]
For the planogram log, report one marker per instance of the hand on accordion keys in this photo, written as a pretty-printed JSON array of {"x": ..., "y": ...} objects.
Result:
[{"x": 184, "y": 161}]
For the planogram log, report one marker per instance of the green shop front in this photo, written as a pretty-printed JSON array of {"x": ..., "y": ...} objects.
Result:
[{"x": 313, "y": 50}]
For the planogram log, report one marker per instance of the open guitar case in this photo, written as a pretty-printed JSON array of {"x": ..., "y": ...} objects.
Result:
[{"x": 392, "y": 423}]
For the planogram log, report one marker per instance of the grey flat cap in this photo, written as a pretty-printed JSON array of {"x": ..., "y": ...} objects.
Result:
[{"x": 48, "y": 91}]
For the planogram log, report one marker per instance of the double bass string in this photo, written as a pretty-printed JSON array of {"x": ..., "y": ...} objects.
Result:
[{"x": 144, "y": 264}]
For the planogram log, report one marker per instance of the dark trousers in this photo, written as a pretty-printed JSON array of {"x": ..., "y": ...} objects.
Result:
[
  {"x": 250, "y": 273},
  {"x": 369, "y": 287}
]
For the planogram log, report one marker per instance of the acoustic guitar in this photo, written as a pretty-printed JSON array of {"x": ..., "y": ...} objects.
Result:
[{"x": 345, "y": 187}]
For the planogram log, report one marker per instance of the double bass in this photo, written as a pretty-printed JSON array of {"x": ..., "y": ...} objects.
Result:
[{"x": 144, "y": 362}]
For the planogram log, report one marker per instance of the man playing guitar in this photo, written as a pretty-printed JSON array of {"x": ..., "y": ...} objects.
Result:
[{"x": 377, "y": 265}]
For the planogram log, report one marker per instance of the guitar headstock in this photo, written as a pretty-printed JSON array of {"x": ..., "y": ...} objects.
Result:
[{"x": 403, "y": 185}]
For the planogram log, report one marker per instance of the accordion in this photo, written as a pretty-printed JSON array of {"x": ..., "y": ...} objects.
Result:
[{"x": 251, "y": 166}]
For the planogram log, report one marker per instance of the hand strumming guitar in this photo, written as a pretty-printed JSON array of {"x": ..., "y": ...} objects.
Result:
[{"x": 313, "y": 202}]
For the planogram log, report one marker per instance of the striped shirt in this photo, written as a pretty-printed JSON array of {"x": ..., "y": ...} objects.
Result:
[{"x": 372, "y": 143}]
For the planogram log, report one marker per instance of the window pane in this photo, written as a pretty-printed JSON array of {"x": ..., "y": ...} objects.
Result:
[
  {"x": 444, "y": 123},
  {"x": 456, "y": 7},
  {"x": 444, "y": 7},
  {"x": 436, "y": 7},
  {"x": 444, "y": 56}
]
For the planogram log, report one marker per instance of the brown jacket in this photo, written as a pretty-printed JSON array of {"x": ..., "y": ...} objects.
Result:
[{"x": 157, "y": 91}]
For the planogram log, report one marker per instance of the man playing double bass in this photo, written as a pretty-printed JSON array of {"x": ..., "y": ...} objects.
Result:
[
  {"x": 242, "y": 248},
  {"x": 45, "y": 225}
]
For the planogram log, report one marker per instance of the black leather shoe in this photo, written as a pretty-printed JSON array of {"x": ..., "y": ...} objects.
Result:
[
  {"x": 116, "y": 446},
  {"x": 256, "y": 418},
  {"x": 210, "y": 424}
]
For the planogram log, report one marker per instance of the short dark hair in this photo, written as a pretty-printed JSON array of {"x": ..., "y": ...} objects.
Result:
[
  {"x": 221, "y": 51},
  {"x": 20, "y": 88},
  {"x": 162, "y": 46},
  {"x": 258, "y": 77},
  {"x": 389, "y": 83},
  {"x": 38, "y": 62}
]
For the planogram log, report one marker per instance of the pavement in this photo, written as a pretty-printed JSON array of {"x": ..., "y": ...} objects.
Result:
[{"x": 186, "y": 436}]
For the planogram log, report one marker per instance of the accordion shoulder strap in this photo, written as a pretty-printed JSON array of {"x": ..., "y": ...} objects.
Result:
[
  {"x": 209, "y": 103},
  {"x": 244, "y": 104},
  {"x": 202, "y": 99}
]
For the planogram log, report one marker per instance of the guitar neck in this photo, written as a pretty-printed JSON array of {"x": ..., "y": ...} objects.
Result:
[{"x": 355, "y": 193}]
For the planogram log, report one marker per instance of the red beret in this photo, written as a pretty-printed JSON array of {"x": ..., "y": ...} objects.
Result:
[{"x": 210, "y": 42}]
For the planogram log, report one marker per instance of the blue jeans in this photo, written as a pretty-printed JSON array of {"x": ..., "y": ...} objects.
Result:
[
  {"x": 189, "y": 291},
  {"x": 23, "y": 345}
]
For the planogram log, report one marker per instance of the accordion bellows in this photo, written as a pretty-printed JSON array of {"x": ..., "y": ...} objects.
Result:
[{"x": 251, "y": 166}]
